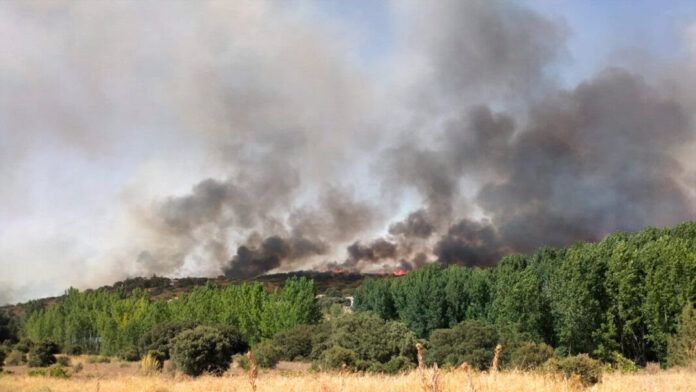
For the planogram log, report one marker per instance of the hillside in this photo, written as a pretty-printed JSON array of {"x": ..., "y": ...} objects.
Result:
[{"x": 159, "y": 287}]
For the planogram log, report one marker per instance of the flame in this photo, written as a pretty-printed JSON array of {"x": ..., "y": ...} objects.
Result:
[{"x": 399, "y": 272}]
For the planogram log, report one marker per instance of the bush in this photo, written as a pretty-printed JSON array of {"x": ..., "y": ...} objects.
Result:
[
  {"x": 56, "y": 371},
  {"x": 15, "y": 358},
  {"x": 368, "y": 336},
  {"x": 72, "y": 349},
  {"x": 2, "y": 358},
  {"x": 24, "y": 345},
  {"x": 622, "y": 364},
  {"x": 98, "y": 359},
  {"x": 397, "y": 364},
  {"x": 587, "y": 369},
  {"x": 266, "y": 354},
  {"x": 531, "y": 356},
  {"x": 295, "y": 343},
  {"x": 203, "y": 349},
  {"x": 62, "y": 360},
  {"x": 336, "y": 357},
  {"x": 129, "y": 354},
  {"x": 42, "y": 354},
  {"x": 241, "y": 360},
  {"x": 470, "y": 341},
  {"x": 158, "y": 339}
]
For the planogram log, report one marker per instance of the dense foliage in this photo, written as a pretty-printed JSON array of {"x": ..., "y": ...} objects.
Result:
[
  {"x": 365, "y": 341},
  {"x": 202, "y": 350},
  {"x": 42, "y": 354},
  {"x": 471, "y": 341},
  {"x": 623, "y": 294},
  {"x": 588, "y": 370},
  {"x": 682, "y": 346},
  {"x": 113, "y": 323}
]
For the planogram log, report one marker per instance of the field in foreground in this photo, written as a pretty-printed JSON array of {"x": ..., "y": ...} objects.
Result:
[{"x": 277, "y": 381}]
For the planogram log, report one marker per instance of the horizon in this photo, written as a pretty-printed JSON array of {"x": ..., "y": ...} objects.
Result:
[{"x": 245, "y": 138}]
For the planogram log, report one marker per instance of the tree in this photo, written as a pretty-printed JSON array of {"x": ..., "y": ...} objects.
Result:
[
  {"x": 682, "y": 346},
  {"x": 421, "y": 301}
]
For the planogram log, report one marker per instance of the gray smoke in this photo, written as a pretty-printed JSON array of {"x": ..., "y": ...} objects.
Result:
[{"x": 248, "y": 137}]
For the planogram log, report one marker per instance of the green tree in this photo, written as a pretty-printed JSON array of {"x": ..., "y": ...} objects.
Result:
[{"x": 682, "y": 346}]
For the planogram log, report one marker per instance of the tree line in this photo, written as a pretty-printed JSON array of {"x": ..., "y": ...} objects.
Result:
[
  {"x": 114, "y": 323},
  {"x": 623, "y": 294}
]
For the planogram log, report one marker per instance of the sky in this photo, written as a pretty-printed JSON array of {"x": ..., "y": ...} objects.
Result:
[{"x": 240, "y": 138}]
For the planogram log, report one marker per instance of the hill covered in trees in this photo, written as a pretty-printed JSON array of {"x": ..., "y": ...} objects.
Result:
[
  {"x": 622, "y": 297},
  {"x": 623, "y": 294}
]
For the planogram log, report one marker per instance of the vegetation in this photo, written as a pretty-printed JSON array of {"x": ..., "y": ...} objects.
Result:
[
  {"x": 471, "y": 341},
  {"x": 531, "y": 356},
  {"x": 682, "y": 347},
  {"x": 202, "y": 350},
  {"x": 113, "y": 323},
  {"x": 372, "y": 341},
  {"x": 588, "y": 370},
  {"x": 623, "y": 294},
  {"x": 42, "y": 354}
]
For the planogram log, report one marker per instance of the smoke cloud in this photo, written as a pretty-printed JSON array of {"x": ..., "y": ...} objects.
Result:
[{"x": 207, "y": 138}]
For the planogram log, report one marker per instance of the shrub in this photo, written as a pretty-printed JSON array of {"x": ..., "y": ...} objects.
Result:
[
  {"x": 470, "y": 341},
  {"x": 42, "y": 354},
  {"x": 203, "y": 349},
  {"x": 241, "y": 360},
  {"x": 531, "y": 355},
  {"x": 72, "y": 349},
  {"x": 369, "y": 337},
  {"x": 15, "y": 358},
  {"x": 98, "y": 359},
  {"x": 682, "y": 346},
  {"x": 397, "y": 364},
  {"x": 57, "y": 371},
  {"x": 62, "y": 360},
  {"x": 622, "y": 364},
  {"x": 295, "y": 343},
  {"x": 129, "y": 354},
  {"x": 24, "y": 345},
  {"x": 158, "y": 339},
  {"x": 266, "y": 354},
  {"x": 234, "y": 337},
  {"x": 336, "y": 357},
  {"x": 587, "y": 369},
  {"x": 2, "y": 358}
]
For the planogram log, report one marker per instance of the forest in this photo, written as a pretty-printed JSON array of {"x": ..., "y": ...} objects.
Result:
[{"x": 625, "y": 299}]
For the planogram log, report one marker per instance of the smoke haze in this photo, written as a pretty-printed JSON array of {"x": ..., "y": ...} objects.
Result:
[{"x": 240, "y": 138}]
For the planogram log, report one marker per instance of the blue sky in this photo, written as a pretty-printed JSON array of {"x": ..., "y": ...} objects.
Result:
[{"x": 597, "y": 29}]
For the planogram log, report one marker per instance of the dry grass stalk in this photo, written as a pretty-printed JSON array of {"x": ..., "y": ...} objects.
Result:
[
  {"x": 252, "y": 373},
  {"x": 149, "y": 365},
  {"x": 433, "y": 379},
  {"x": 466, "y": 368},
  {"x": 496, "y": 358},
  {"x": 429, "y": 384}
]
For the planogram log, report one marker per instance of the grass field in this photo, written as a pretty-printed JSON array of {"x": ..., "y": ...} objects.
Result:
[{"x": 121, "y": 377}]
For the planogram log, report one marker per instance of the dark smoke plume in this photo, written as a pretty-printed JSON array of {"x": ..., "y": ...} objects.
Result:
[{"x": 255, "y": 141}]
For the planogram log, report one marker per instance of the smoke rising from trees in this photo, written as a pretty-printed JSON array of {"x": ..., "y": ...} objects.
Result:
[{"x": 249, "y": 138}]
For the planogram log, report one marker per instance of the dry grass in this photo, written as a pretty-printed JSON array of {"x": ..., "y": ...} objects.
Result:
[{"x": 455, "y": 380}]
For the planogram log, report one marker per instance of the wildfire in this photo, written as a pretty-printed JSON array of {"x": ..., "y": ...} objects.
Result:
[{"x": 399, "y": 272}]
